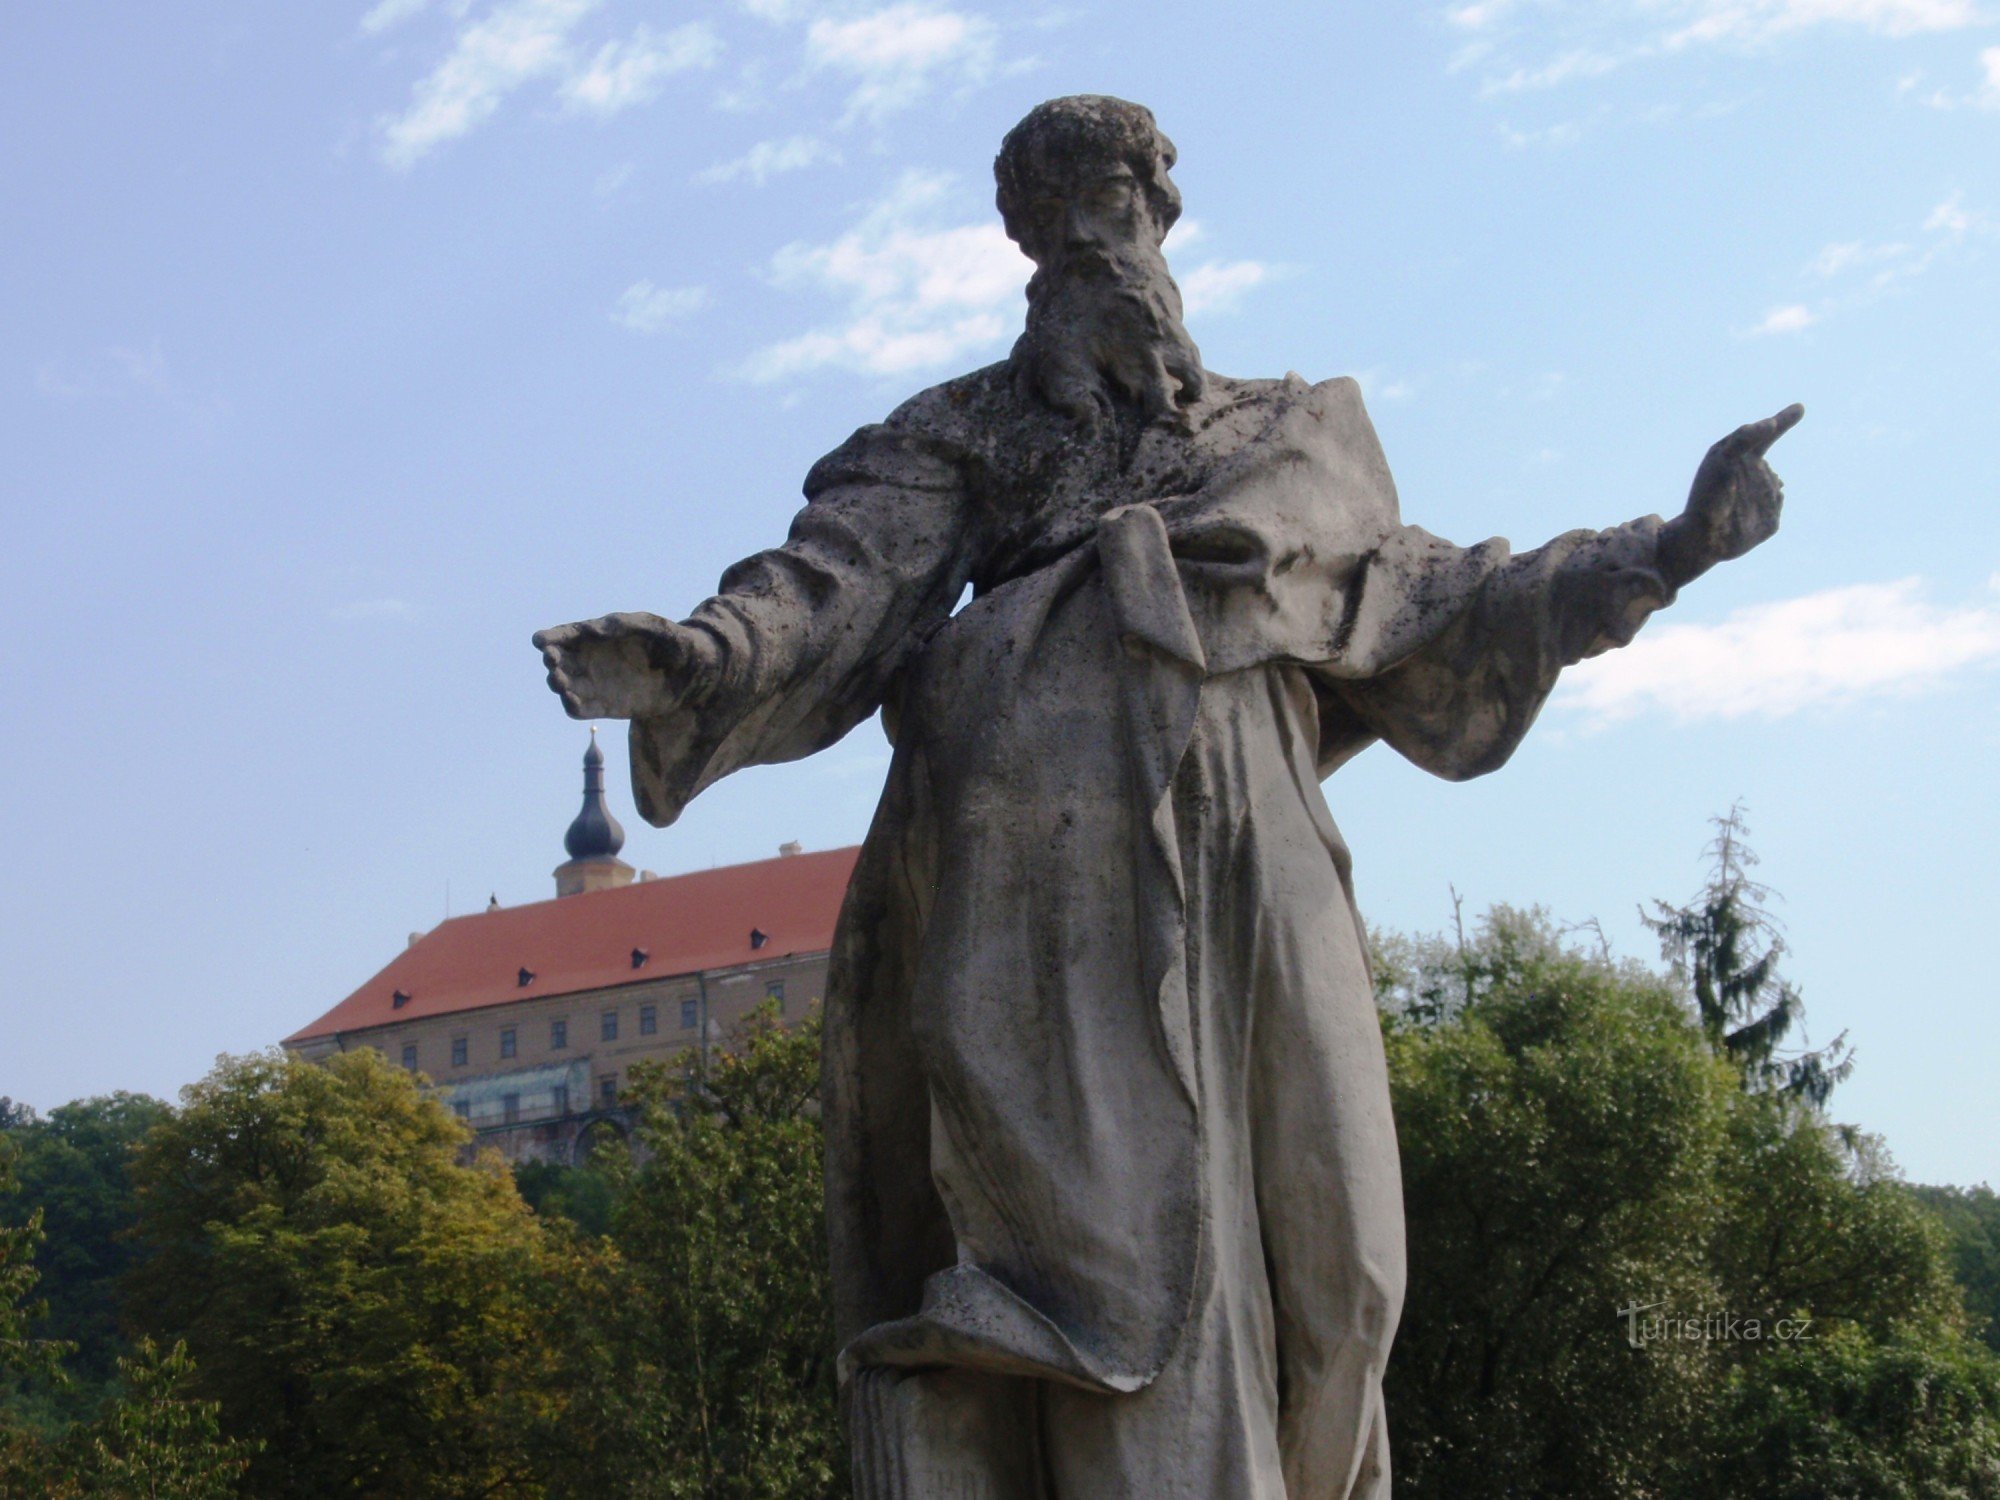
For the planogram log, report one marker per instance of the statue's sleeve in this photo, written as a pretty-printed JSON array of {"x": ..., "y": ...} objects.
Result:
[
  {"x": 1493, "y": 630},
  {"x": 809, "y": 636}
]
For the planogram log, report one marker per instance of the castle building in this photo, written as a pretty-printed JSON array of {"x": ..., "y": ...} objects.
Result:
[{"x": 530, "y": 1018}]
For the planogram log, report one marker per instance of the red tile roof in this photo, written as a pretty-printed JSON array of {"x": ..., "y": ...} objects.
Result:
[{"x": 686, "y": 923}]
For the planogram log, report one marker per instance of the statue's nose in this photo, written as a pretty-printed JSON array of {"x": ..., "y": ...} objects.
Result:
[{"x": 1078, "y": 230}]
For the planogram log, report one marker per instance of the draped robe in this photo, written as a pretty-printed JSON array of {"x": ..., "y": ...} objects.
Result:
[{"x": 1102, "y": 876}]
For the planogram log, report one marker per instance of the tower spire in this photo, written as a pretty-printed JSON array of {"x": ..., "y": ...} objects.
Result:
[{"x": 594, "y": 837}]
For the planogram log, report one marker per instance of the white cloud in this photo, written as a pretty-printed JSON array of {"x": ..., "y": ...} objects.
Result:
[
  {"x": 1579, "y": 62},
  {"x": 1479, "y": 15},
  {"x": 1950, "y": 217},
  {"x": 1220, "y": 285},
  {"x": 1837, "y": 260},
  {"x": 1770, "y": 660},
  {"x": 1858, "y": 272},
  {"x": 519, "y": 42},
  {"x": 1986, "y": 96},
  {"x": 767, "y": 159},
  {"x": 896, "y": 54},
  {"x": 1519, "y": 48},
  {"x": 1759, "y": 20},
  {"x": 1568, "y": 133},
  {"x": 1792, "y": 318},
  {"x": 386, "y": 14},
  {"x": 630, "y": 72},
  {"x": 507, "y": 47},
  {"x": 645, "y": 308},
  {"x": 917, "y": 295}
]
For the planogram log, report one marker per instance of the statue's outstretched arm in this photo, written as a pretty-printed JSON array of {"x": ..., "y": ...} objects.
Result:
[
  {"x": 1461, "y": 703},
  {"x": 799, "y": 643}
]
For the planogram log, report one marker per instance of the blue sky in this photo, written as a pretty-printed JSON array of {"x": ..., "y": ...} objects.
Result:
[{"x": 343, "y": 346}]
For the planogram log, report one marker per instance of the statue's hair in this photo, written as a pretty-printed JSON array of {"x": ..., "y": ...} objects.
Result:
[{"x": 1055, "y": 139}]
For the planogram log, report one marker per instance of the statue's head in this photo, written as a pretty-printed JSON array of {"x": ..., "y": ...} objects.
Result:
[
  {"x": 1084, "y": 169},
  {"x": 1083, "y": 189}
]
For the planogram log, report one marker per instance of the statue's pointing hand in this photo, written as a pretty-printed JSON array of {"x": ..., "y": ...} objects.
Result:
[
  {"x": 1734, "y": 503},
  {"x": 626, "y": 666}
]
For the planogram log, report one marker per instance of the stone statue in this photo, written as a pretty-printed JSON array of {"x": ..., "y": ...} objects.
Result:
[{"x": 1112, "y": 1182}]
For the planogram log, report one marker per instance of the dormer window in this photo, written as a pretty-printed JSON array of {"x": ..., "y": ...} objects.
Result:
[
  {"x": 759, "y": 937},
  {"x": 525, "y": 978},
  {"x": 399, "y": 999},
  {"x": 639, "y": 957}
]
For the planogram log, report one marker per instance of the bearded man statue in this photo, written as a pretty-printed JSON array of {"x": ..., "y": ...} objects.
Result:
[{"x": 1112, "y": 1186}]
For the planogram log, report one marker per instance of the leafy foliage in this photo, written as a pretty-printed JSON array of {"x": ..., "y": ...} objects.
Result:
[
  {"x": 1849, "y": 1418},
  {"x": 1971, "y": 1219},
  {"x": 20, "y": 1352},
  {"x": 73, "y": 1168},
  {"x": 149, "y": 1444},
  {"x": 1574, "y": 1150},
  {"x": 153, "y": 1442},
  {"x": 713, "y": 1368},
  {"x": 583, "y": 1196},
  {"x": 1558, "y": 1139},
  {"x": 364, "y": 1307}
]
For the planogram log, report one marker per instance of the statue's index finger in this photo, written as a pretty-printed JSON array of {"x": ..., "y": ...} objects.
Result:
[{"x": 1757, "y": 437}]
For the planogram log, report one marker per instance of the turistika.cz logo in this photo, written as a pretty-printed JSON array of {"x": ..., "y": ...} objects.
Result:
[{"x": 1645, "y": 1324}]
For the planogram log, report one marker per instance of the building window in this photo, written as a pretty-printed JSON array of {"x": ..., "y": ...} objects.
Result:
[
  {"x": 649, "y": 1019},
  {"x": 510, "y": 1107},
  {"x": 458, "y": 1052},
  {"x": 507, "y": 1041},
  {"x": 607, "y": 1026},
  {"x": 410, "y": 1056},
  {"x": 460, "y": 1108},
  {"x": 558, "y": 1035},
  {"x": 607, "y": 1090},
  {"x": 559, "y": 1100},
  {"x": 775, "y": 990},
  {"x": 690, "y": 1014}
]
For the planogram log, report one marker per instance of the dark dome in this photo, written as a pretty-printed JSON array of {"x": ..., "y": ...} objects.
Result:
[{"x": 595, "y": 834}]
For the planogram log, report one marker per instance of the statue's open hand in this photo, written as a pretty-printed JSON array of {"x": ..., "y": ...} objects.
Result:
[
  {"x": 626, "y": 666},
  {"x": 1734, "y": 503}
]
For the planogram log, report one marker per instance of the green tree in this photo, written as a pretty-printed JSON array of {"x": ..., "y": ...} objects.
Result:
[
  {"x": 368, "y": 1310},
  {"x": 154, "y": 1442},
  {"x": 1811, "y": 1224},
  {"x": 1727, "y": 945},
  {"x": 713, "y": 1357},
  {"x": 1851, "y": 1418},
  {"x": 1971, "y": 1218},
  {"x": 73, "y": 1167},
  {"x": 21, "y": 1352},
  {"x": 1559, "y": 1135},
  {"x": 584, "y": 1196},
  {"x": 1575, "y": 1152}
]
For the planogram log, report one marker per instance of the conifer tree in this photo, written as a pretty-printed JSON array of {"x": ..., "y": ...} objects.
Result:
[{"x": 1727, "y": 944}]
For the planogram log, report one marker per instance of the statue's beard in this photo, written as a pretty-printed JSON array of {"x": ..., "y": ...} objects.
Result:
[{"x": 1106, "y": 324}]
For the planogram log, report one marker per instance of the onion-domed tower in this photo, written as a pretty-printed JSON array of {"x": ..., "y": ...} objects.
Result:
[{"x": 594, "y": 838}]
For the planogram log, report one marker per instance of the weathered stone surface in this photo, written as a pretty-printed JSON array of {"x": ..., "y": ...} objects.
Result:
[{"x": 1112, "y": 1179}]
